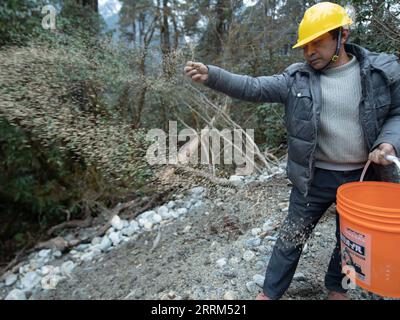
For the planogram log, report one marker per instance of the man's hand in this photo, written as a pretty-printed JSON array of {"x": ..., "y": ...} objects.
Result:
[
  {"x": 197, "y": 71},
  {"x": 377, "y": 156}
]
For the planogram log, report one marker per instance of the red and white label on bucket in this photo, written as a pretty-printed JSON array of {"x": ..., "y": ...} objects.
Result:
[{"x": 356, "y": 253}]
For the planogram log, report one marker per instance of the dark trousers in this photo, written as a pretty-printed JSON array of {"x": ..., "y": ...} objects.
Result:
[{"x": 304, "y": 214}]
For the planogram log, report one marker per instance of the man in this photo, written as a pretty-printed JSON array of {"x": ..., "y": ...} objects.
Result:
[{"x": 342, "y": 107}]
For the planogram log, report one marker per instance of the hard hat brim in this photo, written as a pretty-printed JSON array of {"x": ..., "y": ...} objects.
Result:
[{"x": 318, "y": 34}]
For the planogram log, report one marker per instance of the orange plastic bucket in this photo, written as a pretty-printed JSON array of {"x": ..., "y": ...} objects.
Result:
[{"x": 370, "y": 234}]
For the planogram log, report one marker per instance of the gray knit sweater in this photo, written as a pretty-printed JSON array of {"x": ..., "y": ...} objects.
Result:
[{"x": 341, "y": 145}]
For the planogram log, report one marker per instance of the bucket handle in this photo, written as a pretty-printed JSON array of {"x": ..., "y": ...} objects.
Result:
[{"x": 387, "y": 157}]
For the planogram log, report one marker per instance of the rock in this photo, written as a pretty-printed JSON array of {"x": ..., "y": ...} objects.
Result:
[
  {"x": 82, "y": 247},
  {"x": 57, "y": 254},
  {"x": 251, "y": 287},
  {"x": 198, "y": 204},
  {"x": 187, "y": 205},
  {"x": 44, "y": 253},
  {"x": 50, "y": 281},
  {"x": 248, "y": 255},
  {"x": 125, "y": 223},
  {"x": 271, "y": 238},
  {"x": 30, "y": 280},
  {"x": 156, "y": 218},
  {"x": 253, "y": 242},
  {"x": 221, "y": 262},
  {"x": 181, "y": 211},
  {"x": 259, "y": 280},
  {"x": 170, "y": 205},
  {"x": 267, "y": 227},
  {"x": 318, "y": 234},
  {"x": 87, "y": 257},
  {"x": 96, "y": 241},
  {"x": 167, "y": 214},
  {"x": 147, "y": 214},
  {"x": 228, "y": 296},
  {"x": 67, "y": 267},
  {"x": 16, "y": 295},
  {"x": 198, "y": 191},
  {"x": 256, "y": 231},
  {"x": 148, "y": 225},
  {"x": 117, "y": 223},
  {"x": 163, "y": 210},
  {"x": 115, "y": 238},
  {"x": 299, "y": 276},
  {"x": 234, "y": 261},
  {"x": 23, "y": 269},
  {"x": 260, "y": 265},
  {"x": 105, "y": 244},
  {"x": 131, "y": 230},
  {"x": 305, "y": 248},
  {"x": 187, "y": 229},
  {"x": 11, "y": 279},
  {"x": 230, "y": 273},
  {"x": 45, "y": 270},
  {"x": 236, "y": 180},
  {"x": 172, "y": 295}
]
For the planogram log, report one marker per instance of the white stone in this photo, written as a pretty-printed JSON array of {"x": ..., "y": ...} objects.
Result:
[
  {"x": 256, "y": 231},
  {"x": 236, "y": 180},
  {"x": 182, "y": 211},
  {"x": 234, "y": 260},
  {"x": 67, "y": 267},
  {"x": 229, "y": 296},
  {"x": 45, "y": 270},
  {"x": 162, "y": 210},
  {"x": 198, "y": 204},
  {"x": 221, "y": 262},
  {"x": 57, "y": 254},
  {"x": 96, "y": 241},
  {"x": 30, "y": 280},
  {"x": 147, "y": 214},
  {"x": 115, "y": 238},
  {"x": 197, "y": 190},
  {"x": 117, "y": 223},
  {"x": 259, "y": 280},
  {"x": 148, "y": 225},
  {"x": 170, "y": 205},
  {"x": 156, "y": 218},
  {"x": 87, "y": 256},
  {"x": 125, "y": 223},
  {"x": 16, "y": 295},
  {"x": 318, "y": 234},
  {"x": 44, "y": 253},
  {"x": 267, "y": 227},
  {"x": 248, "y": 255},
  {"x": 105, "y": 244},
  {"x": 167, "y": 215},
  {"x": 50, "y": 281},
  {"x": 129, "y": 231},
  {"x": 11, "y": 279}
]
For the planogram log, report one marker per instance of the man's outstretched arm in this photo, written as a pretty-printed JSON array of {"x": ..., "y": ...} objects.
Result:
[{"x": 255, "y": 89}]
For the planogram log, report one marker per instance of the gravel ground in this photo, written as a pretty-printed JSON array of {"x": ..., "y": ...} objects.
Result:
[{"x": 219, "y": 250}]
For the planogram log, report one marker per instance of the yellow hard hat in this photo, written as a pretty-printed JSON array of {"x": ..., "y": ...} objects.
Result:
[{"x": 319, "y": 19}]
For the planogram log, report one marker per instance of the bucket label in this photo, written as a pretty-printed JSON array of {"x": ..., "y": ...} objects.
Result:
[{"x": 356, "y": 253}]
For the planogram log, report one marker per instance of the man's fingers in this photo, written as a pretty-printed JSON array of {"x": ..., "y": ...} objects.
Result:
[
  {"x": 197, "y": 77},
  {"x": 192, "y": 73}
]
